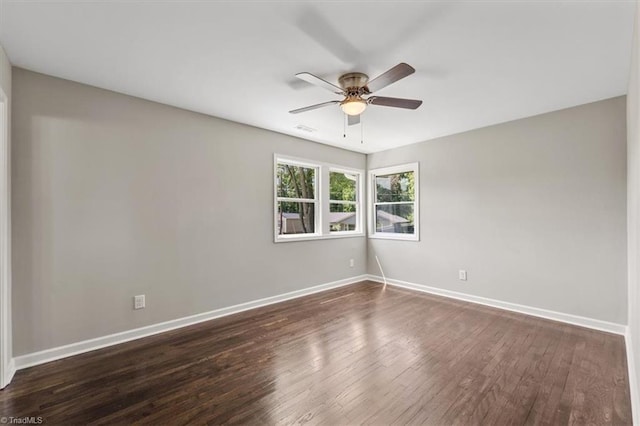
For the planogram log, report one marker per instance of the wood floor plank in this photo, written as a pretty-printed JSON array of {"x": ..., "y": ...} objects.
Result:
[{"x": 353, "y": 355}]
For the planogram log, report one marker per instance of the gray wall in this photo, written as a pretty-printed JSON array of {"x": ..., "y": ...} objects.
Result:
[
  {"x": 534, "y": 210},
  {"x": 633, "y": 210},
  {"x": 116, "y": 196}
]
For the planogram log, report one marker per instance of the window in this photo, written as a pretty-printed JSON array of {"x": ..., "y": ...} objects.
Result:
[
  {"x": 297, "y": 203},
  {"x": 394, "y": 202},
  {"x": 343, "y": 201},
  {"x": 315, "y": 200}
]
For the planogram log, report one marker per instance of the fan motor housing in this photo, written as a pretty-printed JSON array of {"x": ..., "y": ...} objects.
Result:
[{"x": 353, "y": 80}]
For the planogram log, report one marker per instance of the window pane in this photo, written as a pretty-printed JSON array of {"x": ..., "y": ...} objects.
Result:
[
  {"x": 395, "y": 218},
  {"x": 395, "y": 187},
  {"x": 342, "y": 186},
  {"x": 296, "y": 218},
  {"x": 342, "y": 217},
  {"x": 296, "y": 181}
]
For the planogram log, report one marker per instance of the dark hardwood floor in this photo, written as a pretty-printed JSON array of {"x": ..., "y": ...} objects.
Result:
[{"x": 353, "y": 355}]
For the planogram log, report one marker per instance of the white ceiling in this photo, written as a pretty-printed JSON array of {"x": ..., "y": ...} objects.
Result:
[{"x": 477, "y": 62}]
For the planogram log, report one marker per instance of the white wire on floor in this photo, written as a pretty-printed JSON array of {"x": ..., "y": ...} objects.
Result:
[{"x": 382, "y": 272}]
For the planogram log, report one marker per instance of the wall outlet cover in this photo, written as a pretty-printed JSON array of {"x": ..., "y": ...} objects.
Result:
[{"x": 138, "y": 302}]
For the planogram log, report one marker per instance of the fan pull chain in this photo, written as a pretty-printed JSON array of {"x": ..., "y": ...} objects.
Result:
[
  {"x": 344, "y": 126},
  {"x": 361, "y": 130}
]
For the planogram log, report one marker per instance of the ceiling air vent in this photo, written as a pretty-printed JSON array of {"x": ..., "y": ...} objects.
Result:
[{"x": 305, "y": 128}]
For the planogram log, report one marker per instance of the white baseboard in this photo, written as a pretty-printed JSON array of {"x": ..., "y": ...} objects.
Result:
[
  {"x": 10, "y": 370},
  {"x": 633, "y": 381},
  {"x": 41, "y": 357},
  {"x": 514, "y": 307}
]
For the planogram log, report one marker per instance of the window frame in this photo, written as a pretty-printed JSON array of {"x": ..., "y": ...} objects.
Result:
[
  {"x": 358, "y": 202},
  {"x": 371, "y": 204},
  {"x": 322, "y": 201},
  {"x": 315, "y": 200}
]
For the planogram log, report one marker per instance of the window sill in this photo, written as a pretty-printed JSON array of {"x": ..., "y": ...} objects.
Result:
[
  {"x": 298, "y": 237},
  {"x": 391, "y": 236}
]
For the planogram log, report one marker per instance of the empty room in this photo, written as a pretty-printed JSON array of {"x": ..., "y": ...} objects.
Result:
[{"x": 319, "y": 212}]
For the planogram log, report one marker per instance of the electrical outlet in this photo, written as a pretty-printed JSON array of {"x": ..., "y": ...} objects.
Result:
[
  {"x": 351, "y": 263},
  {"x": 462, "y": 275},
  {"x": 138, "y": 302}
]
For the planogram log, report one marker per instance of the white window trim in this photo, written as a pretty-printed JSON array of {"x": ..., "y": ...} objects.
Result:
[
  {"x": 410, "y": 167},
  {"x": 359, "y": 231},
  {"x": 322, "y": 226},
  {"x": 317, "y": 213}
]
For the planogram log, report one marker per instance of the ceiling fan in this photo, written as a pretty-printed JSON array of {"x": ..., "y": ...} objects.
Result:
[{"x": 354, "y": 86}]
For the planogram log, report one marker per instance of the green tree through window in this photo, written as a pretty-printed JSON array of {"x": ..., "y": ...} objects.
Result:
[{"x": 296, "y": 194}]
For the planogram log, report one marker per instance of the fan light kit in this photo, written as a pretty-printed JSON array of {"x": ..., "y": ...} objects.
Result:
[
  {"x": 355, "y": 85},
  {"x": 353, "y": 106}
]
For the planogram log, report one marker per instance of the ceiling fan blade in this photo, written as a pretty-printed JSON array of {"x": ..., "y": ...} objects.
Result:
[
  {"x": 396, "y": 73},
  {"x": 394, "y": 102},
  {"x": 353, "y": 119},
  {"x": 316, "y": 106},
  {"x": 310, "y": 78}
]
